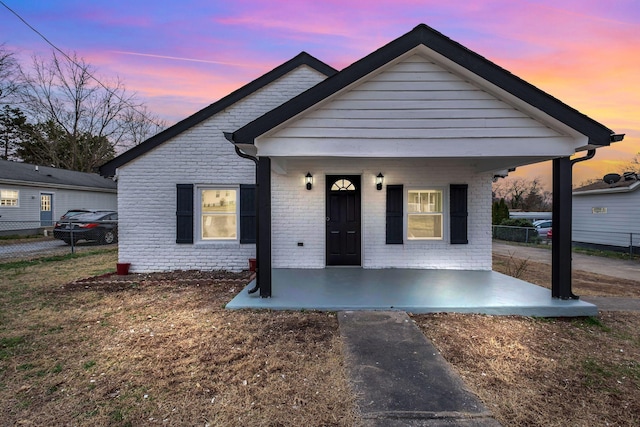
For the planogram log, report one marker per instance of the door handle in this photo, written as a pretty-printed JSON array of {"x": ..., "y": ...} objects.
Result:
[{"x": 328, "y": 219}]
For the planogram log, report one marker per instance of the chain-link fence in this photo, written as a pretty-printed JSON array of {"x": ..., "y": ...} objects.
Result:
[
  {"x": 31, "y": 239},
  {"x": 517, "y": 234},
  {"x": 605, "y": 240}
]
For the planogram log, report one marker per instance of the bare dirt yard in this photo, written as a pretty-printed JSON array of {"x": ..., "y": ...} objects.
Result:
[{"x": 80, "y": 346}]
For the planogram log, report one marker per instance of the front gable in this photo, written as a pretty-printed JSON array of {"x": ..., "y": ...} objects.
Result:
[
  {"x": 417, "y": 107},
  {"x": 425, "y": 95}
]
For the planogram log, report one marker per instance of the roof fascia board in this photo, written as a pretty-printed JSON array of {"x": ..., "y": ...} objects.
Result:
[
  {"x": 597, "y": 134},
  {"x": 58, "y": 186},
  {"x": 302, "y": 59},
  {"x": 501, "y": 94},
  {"x": 493, "y": 73}
]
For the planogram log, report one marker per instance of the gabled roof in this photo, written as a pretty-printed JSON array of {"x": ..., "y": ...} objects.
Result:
[
  {"x": 109, "y": 168},
  {"x": 18, "y": 173},
  {"x": 598, "y": 134}
]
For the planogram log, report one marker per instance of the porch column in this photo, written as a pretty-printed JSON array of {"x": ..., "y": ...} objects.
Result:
[
  {"x": 561, "y": 238},
  {"x": 263, "y": 256}
]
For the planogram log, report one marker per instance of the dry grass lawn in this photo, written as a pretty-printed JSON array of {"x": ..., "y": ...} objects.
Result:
[
  {"x": 548, "y": 372},
  {"x": 78, "y": 347},
  {"x": 160, "y": 350}
]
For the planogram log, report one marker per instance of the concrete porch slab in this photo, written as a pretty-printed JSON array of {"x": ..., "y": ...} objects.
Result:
[{"x": 411, "y": 290}]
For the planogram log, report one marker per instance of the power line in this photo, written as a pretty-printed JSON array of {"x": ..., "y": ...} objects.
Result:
[{"x": 78, "y": 65}]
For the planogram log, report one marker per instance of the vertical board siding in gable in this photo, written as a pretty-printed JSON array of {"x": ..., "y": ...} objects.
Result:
[{"x": 415, "y": 99}]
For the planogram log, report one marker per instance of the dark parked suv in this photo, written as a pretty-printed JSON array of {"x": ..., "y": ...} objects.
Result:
[{"x": 101, "y": 226}]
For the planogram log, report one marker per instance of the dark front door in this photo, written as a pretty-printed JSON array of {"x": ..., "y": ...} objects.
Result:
[{"x": 343, "y": 220}]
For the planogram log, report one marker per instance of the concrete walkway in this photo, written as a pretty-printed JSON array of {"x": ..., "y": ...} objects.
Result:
[{"x": 400, "y": 378}]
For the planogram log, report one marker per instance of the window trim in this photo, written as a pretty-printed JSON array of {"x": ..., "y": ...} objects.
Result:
[
  {"x": 442, "y": 213},
  {"x": 8, "y": 198},
  {"x": 199, "y": 214}
]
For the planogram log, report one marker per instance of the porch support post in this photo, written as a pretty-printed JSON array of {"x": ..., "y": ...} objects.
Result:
[
  {"x": 263, "y": 258},
  {"x": 561, "y": 238}
]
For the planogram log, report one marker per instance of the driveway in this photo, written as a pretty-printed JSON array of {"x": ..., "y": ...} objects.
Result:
[{"x": 623, "y": 269}]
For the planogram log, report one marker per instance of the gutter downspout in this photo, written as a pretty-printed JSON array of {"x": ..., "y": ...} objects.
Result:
[
  {"x": 254, "y": 159},
  {"x": 589, "y": 155}
]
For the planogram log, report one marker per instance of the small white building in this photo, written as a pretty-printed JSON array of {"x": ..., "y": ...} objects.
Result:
[
  {"x": 607, "y": 215},
  {"x": 385, "y": 164},
  {"x": 33, "y": 196}
]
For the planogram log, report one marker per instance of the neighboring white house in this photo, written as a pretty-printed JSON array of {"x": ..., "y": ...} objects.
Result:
[
  {"x": 608, "y": 215},
  {"x": 385, "y": 164},
  {"x": 34, "y": 196}
]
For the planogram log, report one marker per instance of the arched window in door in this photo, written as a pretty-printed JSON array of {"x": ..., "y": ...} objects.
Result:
[{"x": 343, "y": 185}]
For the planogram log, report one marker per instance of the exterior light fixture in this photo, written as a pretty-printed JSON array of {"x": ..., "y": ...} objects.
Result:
[
  {"x": 308, "y": 179},
  {"x": 379, "y": 181}
]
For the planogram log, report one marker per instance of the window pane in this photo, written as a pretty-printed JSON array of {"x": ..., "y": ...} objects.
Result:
[
  {"x": 9, "y": 197},
  {"x": 221, "y": 226},
  {"x": 214, "y": 201},
  {"x": 424, "y": 201},
  {"x": 343, "y": 185},
  {"x": 424, "y": 227},
  {"x": 45, "y": 202}
]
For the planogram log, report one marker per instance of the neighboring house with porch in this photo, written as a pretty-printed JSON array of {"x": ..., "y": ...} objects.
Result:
[
  {"x": 33, "y": 196},
  {"x": 385, "y": 164},
  {"x": 606, "y": 215}
]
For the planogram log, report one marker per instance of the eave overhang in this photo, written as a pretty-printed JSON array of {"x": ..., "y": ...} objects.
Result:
[{"x": 596, "y": 134}]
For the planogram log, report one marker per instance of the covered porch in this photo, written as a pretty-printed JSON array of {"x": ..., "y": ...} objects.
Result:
[{"x": 411, "y": 290}]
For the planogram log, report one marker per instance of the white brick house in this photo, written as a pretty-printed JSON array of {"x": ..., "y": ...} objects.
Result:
[{"x": 400, "y": 147}]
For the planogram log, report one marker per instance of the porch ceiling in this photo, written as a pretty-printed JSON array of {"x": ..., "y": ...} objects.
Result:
[
  {"x": 281, "y": 165},
  {"x": 412, "y": 290}
]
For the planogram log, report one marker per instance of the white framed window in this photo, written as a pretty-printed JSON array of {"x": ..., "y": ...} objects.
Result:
[
  {"x": 10, "y": 198},
  {"x": 425, "y": 215},
  {"x": 218, "y": 211}
]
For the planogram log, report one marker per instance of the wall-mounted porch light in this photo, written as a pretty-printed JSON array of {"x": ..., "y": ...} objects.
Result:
[
  {"x": 308, "y": 179},
  {"x": 379, "y": 181}
]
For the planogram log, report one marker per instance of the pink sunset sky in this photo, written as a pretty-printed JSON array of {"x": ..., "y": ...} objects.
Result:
[{"x": 182, "y": 56}]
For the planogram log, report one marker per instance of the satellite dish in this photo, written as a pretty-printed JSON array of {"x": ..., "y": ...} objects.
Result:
[{"x": 611, "y": 178}]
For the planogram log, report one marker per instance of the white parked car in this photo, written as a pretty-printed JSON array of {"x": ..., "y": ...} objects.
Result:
[{"x": 543, "y": 227}]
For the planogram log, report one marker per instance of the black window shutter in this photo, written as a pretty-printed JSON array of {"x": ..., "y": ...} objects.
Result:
[
  {"x": 458, "y": 212},
  {"x": 184, "y": 213},
  {"x": 395, "y": 214},
  {"x": 248, "y": 224}
]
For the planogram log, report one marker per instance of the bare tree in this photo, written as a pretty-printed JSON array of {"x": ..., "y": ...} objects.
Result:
[
  {"x": 9, "y": 72},
  {"x": 633, "y": 165},
  {"x": 520, "y": 193},
  {"x": 62, "y": 94}
]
